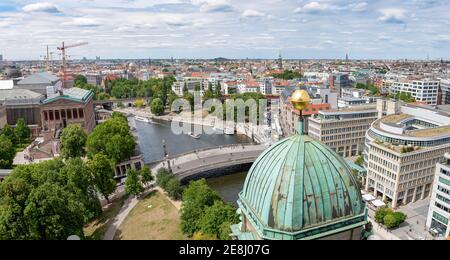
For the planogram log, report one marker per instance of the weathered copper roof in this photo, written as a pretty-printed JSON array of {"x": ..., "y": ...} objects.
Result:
[{"x": 297, "y": 185}]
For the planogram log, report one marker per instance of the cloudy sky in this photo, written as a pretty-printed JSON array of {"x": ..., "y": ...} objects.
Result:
[{"x": 227, "y": 28}]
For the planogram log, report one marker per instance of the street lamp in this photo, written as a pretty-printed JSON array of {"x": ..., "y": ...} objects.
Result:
[{"x": 166, "y": 155}]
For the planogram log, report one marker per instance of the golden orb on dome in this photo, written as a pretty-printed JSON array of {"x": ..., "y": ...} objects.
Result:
[{"x": 300, "y": 99}]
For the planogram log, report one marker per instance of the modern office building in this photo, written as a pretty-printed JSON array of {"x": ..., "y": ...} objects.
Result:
[
  {"x": 402, "y": 150},
  {"x": 438, "y": 221},
  {"x": 445, "y": 88},
  {"x": 343, "y": 130},
  {"x": 341, "y": 81},
  {"x": 191, "y": 85},
  {"x": 425, "y": 90}
]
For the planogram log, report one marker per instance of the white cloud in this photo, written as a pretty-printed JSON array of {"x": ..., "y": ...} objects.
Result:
[
  {"x": 213, "y": 5},
  {"x": 393, "y": 15},
  {"x": 360, "y": 7},
  {"x": 313, "y": 7},
  {"x": 83, "y": 22},
  {"x": 41, "y": 7},
  {"x": 252, "y": 13}
]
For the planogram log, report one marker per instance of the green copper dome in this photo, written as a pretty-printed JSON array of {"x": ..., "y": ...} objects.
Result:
[{"x": 299, "y": 188}]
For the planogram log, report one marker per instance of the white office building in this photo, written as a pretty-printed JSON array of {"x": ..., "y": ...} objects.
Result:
[
  {"x": 445, "y": 88},
  {"x": 422, "y": 90},
  {"x": 438, "y": 221},
  {"x": 402, "y": 150}
]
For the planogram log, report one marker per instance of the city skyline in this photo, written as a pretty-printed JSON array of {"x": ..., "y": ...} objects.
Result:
[{"x": 227, "y": 28}]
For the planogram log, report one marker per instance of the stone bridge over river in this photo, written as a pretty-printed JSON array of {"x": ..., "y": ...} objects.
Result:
[{"x": 197, "y": 163}]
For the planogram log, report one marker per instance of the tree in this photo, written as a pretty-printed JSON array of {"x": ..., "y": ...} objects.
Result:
[
  {"x": 53, "y": 214},
  {"x": 133, "y": 184},
  {"x": 157, "y": 107},
  {"x": 360, "y": 160},
  {"x": 48, "y": 200},
  {"x": 171, "y": 98},
  {"x": 22, "y": 131},
  {"x": 403, "y": 96},
  {"x": 103, "y": 175},
  {"x": 7, "y": 152},
  {"x": 162, "y": 178},
  {"x": 120, "y": 147},
  {"x": 80, "y": 183},
  {"x": 287, "y": 75},
  {"x": 80, "y": 81},
  {"x": 381, "y": 213},
  {"x": 196, "y": 198},
  {"x": 112, "y": 138},
  {"x": 119, "y": 116},
  {"x": 9, "y": 133},
  {"x": 213, "y": 218},
  {"x": 225, "y": 230},
  {"x": 185, "y": 88},
  {"x": 139, "y": 103},
  {"x": 146, "y": 175},
  {"x": 389, "y": 221},
  {"x": 73, "y": 141},
  {"x": 203, "y": 237},
  {"x": 218, "y": 90},
  {"x": 14, "y": 192},
  {"x": 210, "y": 87},
  {"x": 174, "y": 189}
]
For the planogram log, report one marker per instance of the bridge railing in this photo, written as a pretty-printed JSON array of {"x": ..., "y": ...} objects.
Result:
[{"x": 173, "y": 157}]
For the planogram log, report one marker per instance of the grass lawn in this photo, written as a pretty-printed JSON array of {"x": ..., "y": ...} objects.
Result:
[
  {"x": 96, "y": 229},
  {"x": 153, "y": 218}
]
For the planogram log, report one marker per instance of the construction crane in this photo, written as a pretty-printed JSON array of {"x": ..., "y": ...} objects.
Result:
[
  {"x": 63, "y": 49},
  {"x": 46, "y": 58}
]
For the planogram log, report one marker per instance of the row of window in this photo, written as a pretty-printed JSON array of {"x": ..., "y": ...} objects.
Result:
[
  {"x": 397, "y": 141},
  {"x": 415, "y": 182},
  {"x": 416, "y": 174},
  {"x": 440, "y": 218},
  {"x": 443, "y": 190},
  {"x": 382, "y": 179},
  {"x": 444, "y": 181},
  {"x": 353, "y": 135},
  {"x": 346, "y": 142},
  {"x": 444, "y": 208},
  {"x": 382, "y": 171},
  {"x": 443, "y": 199},
  {"x": 383, "y": 162},
  {"x": 445, "y": 172},
  {"x": 74, "y": 113}
]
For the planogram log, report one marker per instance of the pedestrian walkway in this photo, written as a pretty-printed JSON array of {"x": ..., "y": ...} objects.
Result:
[{"x": 128, "y": 205}]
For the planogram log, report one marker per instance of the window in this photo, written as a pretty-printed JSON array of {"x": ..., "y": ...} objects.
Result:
[
  {"x": 69, "y": 114},
  {"x": 445, "y": 172},
  {"x": 80, "y": 113},
  {"x": 75, "y": 113},
  {"x": 63, "y": 113},
  {"x": 51, "y": 115},
  {"x": 57, "y": 115},
  {"x": 444, "y": 181},
  {"x": 45, "y": 115}
]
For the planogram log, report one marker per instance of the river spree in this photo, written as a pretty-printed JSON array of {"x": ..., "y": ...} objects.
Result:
[
  {"x": 152, "y": 134},
  {"x": 228, "y": 186}
]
